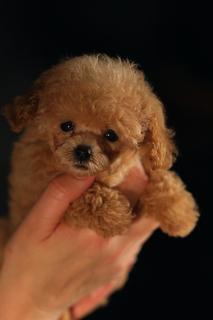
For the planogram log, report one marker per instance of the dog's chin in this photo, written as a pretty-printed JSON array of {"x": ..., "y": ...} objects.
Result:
[{"x": 81, "y": 171}]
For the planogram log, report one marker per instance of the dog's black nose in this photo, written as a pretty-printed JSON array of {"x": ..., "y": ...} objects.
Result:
[{"x": 83, "y": 153}]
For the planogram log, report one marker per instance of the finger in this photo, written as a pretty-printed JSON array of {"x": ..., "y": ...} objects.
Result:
[
  {"x": 141, "y": 229},
  {"x": 132, "y": 242},
  {"x": 55, "y": 200},
  {"x": 134, "y": 183},
  {"x": 92, "y": 301},
  {"x": 143, "y": 226}
]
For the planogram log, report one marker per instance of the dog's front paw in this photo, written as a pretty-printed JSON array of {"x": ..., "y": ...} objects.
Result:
[
  {"x": 182, "y": 217},
  {"x": 104, "y": 210},
  {"x": 167, "y": 200}
]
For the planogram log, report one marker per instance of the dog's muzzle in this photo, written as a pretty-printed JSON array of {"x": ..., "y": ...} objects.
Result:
[{"x": 83, "y": 153}]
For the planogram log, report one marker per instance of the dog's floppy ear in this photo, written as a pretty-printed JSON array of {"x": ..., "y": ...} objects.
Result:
[
  {"x": 158, "y": 149},
  {"x": 22, "y": 109}
]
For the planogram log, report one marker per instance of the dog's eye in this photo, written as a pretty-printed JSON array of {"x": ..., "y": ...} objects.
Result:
[
  {"x": 67, "y": 126},
  {"x": 111, "y": 135}
]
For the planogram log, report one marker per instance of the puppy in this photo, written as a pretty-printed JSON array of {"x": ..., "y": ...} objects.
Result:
[{"x": 94, "y": 115}]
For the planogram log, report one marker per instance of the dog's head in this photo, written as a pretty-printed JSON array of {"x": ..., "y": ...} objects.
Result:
[{"x": 91, "y": 110}]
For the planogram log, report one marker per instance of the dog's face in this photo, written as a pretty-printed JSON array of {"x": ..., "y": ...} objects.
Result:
[
  {"x": 87, "y": 148},
  {"x": 92, "y": 111},
  {"x": 87, "y": 138}
]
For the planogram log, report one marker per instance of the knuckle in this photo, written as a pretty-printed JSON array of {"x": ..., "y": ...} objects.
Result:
[
  {"x": 117, "y": 261},
  {"x": 57, "y": 190},
  {"x": 119, "y": 268}
]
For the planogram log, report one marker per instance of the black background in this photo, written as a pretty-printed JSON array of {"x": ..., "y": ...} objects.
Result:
[{"x": 172, "y": 42}]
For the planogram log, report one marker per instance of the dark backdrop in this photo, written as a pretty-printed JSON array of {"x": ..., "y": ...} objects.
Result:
[{"x": 172, "y": 42}]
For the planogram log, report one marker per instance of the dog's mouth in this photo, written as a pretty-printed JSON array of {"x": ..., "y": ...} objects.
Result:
[{"x": 80, "y": 166}]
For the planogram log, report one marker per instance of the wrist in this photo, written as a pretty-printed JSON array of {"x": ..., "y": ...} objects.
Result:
[
  {"x": 17, "y": 306},
  {"x": 10, "y": 311}
]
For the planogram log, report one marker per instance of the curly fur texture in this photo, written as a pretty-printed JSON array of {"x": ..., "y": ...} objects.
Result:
[
  {"x": 96, "y": 93},
  {"x": 107, "y": 211}
]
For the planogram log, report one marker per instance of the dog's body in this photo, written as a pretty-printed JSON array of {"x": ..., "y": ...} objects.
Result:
[{"x": 93, "y": 115}]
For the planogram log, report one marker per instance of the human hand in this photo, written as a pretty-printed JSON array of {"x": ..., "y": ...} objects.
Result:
[
  {"x": 129, "y": 245},
  {"x": 49, "y": 267}
]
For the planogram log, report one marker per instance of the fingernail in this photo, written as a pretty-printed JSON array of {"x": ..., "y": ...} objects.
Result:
[
  {"x": 146, "y": 176},
  {"x": 105, "y": 288},
  {"x": 83, "y": 178}
]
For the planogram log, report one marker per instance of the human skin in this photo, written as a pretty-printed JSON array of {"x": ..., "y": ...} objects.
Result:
[{"x": 49, "y": 267}]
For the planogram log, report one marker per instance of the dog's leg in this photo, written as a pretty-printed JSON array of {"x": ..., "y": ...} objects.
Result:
[
  {"x": 166, "y": 199},
  {"x": 104, "y": 210}
]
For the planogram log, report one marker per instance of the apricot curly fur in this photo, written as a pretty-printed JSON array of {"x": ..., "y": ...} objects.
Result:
[
  {"x": 166, "y": 199},
  {"x": 96, "y": 93},
  {"x": 102, "y": 209}
]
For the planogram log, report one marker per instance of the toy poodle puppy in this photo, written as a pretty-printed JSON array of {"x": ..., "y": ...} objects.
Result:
[{"x": 94, "y": 115}]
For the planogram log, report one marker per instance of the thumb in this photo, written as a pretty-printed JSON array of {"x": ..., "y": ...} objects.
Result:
[{"x": 47, "y": 212}]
